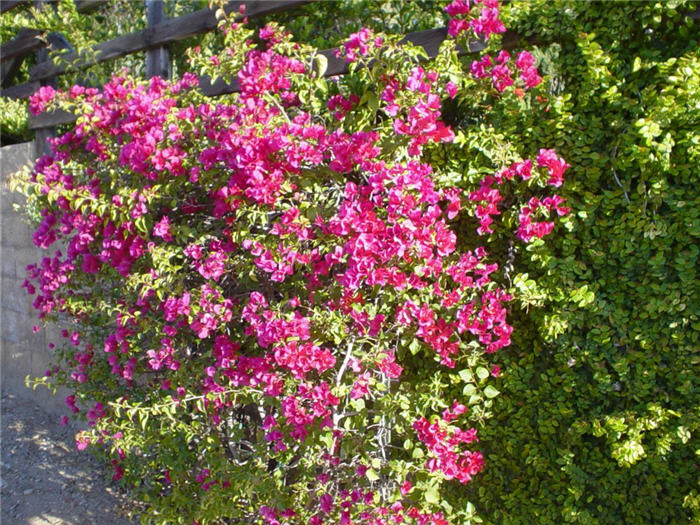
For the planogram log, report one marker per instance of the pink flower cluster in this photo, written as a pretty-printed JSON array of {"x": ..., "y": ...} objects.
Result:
[
  {"x": 39, "y": 100},
  {"x": 486, "y": 24},
  {"x": 423, "y": 122},
  {"x": 528, "y": 228},
  {"x": 488, "y": 196},
  {"x": 501, "y": 73},
  {"x": 342, "y": 105},
  {"x": 358, "y": 45},
  {"x": 300, "y": 257},
  {"x": 444, "y": 443}
]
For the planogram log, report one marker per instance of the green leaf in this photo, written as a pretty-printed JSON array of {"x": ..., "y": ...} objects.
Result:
[
  {"x": 371, "y": 475},
  {"x": 466, "y": 375},
  {"x": 490, "y": 392},
  {"x": 372, "y": 102},
  {"x": 414, "y": 346},
  {"x": 321, "y": 64},
  {"x": 432, "y": 494}
]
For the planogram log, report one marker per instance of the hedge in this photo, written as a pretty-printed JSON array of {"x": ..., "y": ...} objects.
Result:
[{"x": 598, "y": 421}]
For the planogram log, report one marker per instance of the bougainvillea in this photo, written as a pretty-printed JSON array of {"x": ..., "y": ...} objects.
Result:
[{"x": 272, "y": 318}]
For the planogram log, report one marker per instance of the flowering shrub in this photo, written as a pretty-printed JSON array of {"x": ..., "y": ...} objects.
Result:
[{"x": 273, "y": 319}]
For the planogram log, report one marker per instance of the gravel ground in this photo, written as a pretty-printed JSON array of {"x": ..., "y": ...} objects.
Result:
[{"x": 44, "y": 480}]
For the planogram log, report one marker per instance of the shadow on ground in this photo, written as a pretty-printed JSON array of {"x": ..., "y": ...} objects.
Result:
[{"x": 45, "y": 480}]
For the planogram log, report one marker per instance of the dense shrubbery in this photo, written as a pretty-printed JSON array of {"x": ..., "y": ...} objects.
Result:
[
  {"x": 598, "y": 420},
  {"x": 272, "y": 317}
]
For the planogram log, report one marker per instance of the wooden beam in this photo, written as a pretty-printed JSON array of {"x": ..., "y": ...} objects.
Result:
[
  {"x": 21, "y": 90},
  {"x": 26, "y": 41},
  {"x": 220, "y": 87},
  {"x": 51, "y": 119},
  {"x": 9, "y": 69},
  {"x": 84, "y": 6},
  {"x": 169, "y": 31},
  {"x": 157, "y": 58},
  {"x": 6, "y": 5}
]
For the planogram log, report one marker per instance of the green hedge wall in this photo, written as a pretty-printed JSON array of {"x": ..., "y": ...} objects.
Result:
[{"x": 598, "y": 421}]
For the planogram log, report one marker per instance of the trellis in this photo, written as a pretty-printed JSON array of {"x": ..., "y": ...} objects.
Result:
[{"x": 154, "y": 40}]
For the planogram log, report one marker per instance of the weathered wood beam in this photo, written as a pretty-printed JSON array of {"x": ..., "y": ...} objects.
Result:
[
  {"x": 26, "y": 41},
  {"x": 6, "y": 5},
  {"x": 51, "y": 119},
  {"x": 157, "y": 58},
  {"x": 85, "y": 6},
  {"x": 9, "y": 69},
  {"x": 20, "y": 90}
]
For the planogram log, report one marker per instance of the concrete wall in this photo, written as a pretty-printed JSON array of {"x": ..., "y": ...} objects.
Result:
[{"x": 23, "y": 351}]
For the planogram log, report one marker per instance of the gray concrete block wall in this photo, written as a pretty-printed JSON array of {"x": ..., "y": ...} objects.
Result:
[{"x": 23, "y": 351}]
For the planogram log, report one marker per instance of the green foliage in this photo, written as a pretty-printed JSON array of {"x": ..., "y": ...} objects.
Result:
[
  {"x": 326, "y": 24},
  {"x": 598, "y": 419},
  {"x": 13, "y": 122},
  {"x": 597, "y": 416}
]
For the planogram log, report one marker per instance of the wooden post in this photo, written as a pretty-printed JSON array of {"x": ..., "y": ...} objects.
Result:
[
  {"x": 41, "y": 135},
  {"x": 9, "y": 70},
  {"x": 157, "y": 58}
]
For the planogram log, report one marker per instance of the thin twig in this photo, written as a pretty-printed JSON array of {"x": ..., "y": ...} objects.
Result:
[
  {"x": 348, "y": 354},
  {"x": 614, "y": 156}
]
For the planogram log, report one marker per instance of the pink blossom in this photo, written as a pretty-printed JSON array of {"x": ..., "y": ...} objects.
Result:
[
  {"x": 389, "y": 366},
  {"x": 91, "y": 264},
  {"x": 162, "y": 229},
  {"x": 556, "y": 166},
  {"x": 39, "y": 100},
  {"x": 451, "y": 89},
  {"x": 458, "y": 7},
  {"x": 213, "y": 266}
]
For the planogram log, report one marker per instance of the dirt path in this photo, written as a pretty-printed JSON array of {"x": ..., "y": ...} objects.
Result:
[{"x": 45, "y": 480}]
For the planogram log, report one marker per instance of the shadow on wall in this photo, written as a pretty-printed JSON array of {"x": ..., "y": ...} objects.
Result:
[{"x": 23, "y": 351}]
